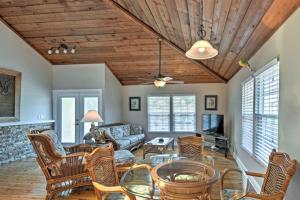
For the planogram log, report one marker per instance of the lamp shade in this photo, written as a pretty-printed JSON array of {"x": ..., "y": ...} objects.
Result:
[
  {"x": 202, "y": 49},
  {"x": 92, "y": 116},
  {"x": 159, "y": 83}
]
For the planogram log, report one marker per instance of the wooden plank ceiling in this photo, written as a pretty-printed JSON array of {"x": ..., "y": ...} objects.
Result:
[{"x": 123, "y": 33}]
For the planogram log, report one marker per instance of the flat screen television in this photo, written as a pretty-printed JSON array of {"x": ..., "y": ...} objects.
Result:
[{"x": 213, "y": 124}]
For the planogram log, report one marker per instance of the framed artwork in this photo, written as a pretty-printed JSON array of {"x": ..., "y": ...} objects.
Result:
[
  {"x": 10, "y": 90},
  {"x": 211, "y": 102},
  {"x": 134, "y": 103}
]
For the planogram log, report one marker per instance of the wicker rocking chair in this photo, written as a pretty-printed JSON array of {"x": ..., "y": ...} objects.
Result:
[
  {"x": 276, "y": 180},
  {"x": 62, "y": 172},
  {"x": 190, "y": 146},
  {"x": 104, "y": 173}
]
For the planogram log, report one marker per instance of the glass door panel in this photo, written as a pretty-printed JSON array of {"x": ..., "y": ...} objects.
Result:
[
  {"x": 89, "y": 103},
  {"x": 68, "y": 118}
]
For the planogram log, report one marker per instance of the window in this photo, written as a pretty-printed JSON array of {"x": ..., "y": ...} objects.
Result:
[
  {"x": 159, "y": 114},
  {"x": 184, "y": 113},
  {"x": 247, "y": 115},
  {"x": 175, "y": 113},
  {"x": 260, "y": 110}
]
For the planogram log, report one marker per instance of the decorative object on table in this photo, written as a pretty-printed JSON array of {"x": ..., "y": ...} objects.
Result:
[
  {"x": 202, "y": 49},
  {"x": 185, "y": 179},
  {"x": 101, "y": 164},
  {"x": 93, "y": 116},
  {"x": 279, "y": 173},
  {"x": 190, "y": 146},
  {"x": 211, "y": 102},
  {"x": 62, "y": 48},
  {"x": 62, "y": 171},
  {"x": 10, "y": 90},
  {"x": 154, "y": 146},
  {"x": 161, "y": 140},
  {"x": 160, "y": 80},
  {"x": 134, "y": 103}
]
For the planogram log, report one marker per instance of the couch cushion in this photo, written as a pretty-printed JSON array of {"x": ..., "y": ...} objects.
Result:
[
  {"x": 123, "y": 143},
  {"x": 126, "y": 129},
  {"x": 136, "y": 129},
  {"x": 117, "y": 132},
  {"x": 124, "y": 157},
  {"x": 134, "y": 138},
  {"x": 58, "y": 147}
]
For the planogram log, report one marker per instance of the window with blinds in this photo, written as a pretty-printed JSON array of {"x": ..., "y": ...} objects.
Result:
[
  {"x": 260, "y": 110},
  {"x": 247, "y": 115},
  {"x": 184, "y": 113},
  {"x": 266, "y": 112},
  {"x": 158, "y": 113}
]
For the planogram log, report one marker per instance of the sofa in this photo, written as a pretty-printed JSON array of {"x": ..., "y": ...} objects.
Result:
[{"x": 123, "y": 136}]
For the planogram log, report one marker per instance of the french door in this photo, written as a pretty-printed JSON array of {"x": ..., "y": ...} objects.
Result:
[{"x": 69, "y": 108}]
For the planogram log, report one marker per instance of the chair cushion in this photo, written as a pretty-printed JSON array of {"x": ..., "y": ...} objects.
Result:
[
  {"x": 124, "y": 157},
  {"x": 134, "y": 138},
  {"x": 117, "y": 132},
  {"x": 126, "y": 130},
  {"x": 228, "y": 194},
  {"x": 58, "y": 147},
  {"x": 123, "y": 143}
]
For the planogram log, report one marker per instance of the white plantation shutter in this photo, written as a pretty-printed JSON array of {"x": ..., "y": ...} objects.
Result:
[
  {"x": 158, "y": 113},
  {"x": 247, "y": 115},
  {"x": 266, "y": 111},
  {"x": 184, "y": 113}
]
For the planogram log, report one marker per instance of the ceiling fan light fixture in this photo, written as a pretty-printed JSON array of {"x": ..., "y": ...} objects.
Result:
[
  {"x": 159, "y": 83},
  {"x": 201, "y": 50}
]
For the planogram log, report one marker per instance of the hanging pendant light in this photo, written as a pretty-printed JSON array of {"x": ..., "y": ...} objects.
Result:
[{"x": 201, "y": 49}]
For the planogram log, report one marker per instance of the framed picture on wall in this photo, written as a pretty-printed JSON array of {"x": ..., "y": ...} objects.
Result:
[
  {"x": 10, "y": 90},
  {"x": 134, "y": 103},
  {"x": 211, "y": 102}
]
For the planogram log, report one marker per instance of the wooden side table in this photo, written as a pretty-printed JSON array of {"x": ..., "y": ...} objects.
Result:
[{"x": 157, "y": 146}]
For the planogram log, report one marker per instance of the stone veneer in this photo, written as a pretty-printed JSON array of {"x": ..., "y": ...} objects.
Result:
[{"x": 14, "y": 143}]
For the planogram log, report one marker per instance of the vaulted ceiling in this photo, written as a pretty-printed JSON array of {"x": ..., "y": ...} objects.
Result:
[{"x": 123, "y": 33}]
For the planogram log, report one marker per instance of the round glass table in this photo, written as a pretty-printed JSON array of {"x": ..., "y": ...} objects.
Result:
[{"x": 139, "y": 181}]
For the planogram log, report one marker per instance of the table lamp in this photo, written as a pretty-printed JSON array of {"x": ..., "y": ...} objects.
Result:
[{"x": 92, "y": 116}]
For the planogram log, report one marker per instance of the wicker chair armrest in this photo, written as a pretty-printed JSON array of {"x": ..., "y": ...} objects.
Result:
[
  {"x": 261, "y": 175},
  {"x": 225, "y": 172},
  {"x": 274, "y": 196},
  {"x": 112, "y": 189}
]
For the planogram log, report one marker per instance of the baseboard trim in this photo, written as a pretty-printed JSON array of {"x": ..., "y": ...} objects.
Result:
[{"x": 252, "y": 180}]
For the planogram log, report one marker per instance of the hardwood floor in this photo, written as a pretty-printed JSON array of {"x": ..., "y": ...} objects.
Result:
[{"x": 24, "y": 180}]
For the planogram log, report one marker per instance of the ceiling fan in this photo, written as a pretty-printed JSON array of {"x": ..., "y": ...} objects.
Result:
[{"x": 160, "y": 80}]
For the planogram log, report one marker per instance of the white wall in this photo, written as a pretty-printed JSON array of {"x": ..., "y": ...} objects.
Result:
[
  {"x": 112, "y": 98},
  {"x": 92, "y": 76},
  {"x": 36, "y": 101},
  {"x": 284, "y": 43},
  {"x": 140, "y": 117}
]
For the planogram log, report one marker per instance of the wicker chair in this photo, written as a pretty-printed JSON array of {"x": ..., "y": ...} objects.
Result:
[
  {"x": 190, "y": 146},
  {"x": 62, "y": 172},
  {"x": 276, "y": 180},
  {"x": 104, "y": 173}
]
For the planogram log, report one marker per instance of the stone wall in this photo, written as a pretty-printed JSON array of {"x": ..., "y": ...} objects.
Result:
[{"x": 14, "y": 144}]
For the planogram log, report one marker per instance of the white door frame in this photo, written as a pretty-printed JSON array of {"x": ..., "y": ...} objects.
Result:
[{"x": 79, "y": 94}]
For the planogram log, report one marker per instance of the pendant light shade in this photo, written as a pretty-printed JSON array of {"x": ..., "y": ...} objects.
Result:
[{"x": 202, "y": 49}]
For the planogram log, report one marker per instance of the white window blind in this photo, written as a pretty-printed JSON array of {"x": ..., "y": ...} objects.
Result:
[
  {"x": 184, "y": 113},
  {"x": 266, "y": 111},
  {"x": 158, "y": 113},
  {"x": 247, "y": 115}
]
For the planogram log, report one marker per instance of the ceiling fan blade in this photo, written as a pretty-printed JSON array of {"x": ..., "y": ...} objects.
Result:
[
  {"x": 175, "y": 82},
  {"x": 167, "y": 78},
  {"x": 147, "y": 83}
]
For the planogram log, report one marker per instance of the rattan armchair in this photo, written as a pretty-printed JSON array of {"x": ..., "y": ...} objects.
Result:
[
  {"x": 190, "y": 146},
  {"x": 62, "y": 172},
  {"x": 104, "y": 173},
  {"x": 279, "y": 172}
]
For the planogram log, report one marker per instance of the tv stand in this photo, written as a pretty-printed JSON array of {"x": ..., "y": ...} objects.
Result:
[{"x": 218, "y": 142}]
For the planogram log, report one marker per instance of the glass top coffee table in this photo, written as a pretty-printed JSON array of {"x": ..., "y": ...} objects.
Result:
[{"x": 139, "y": 181}]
